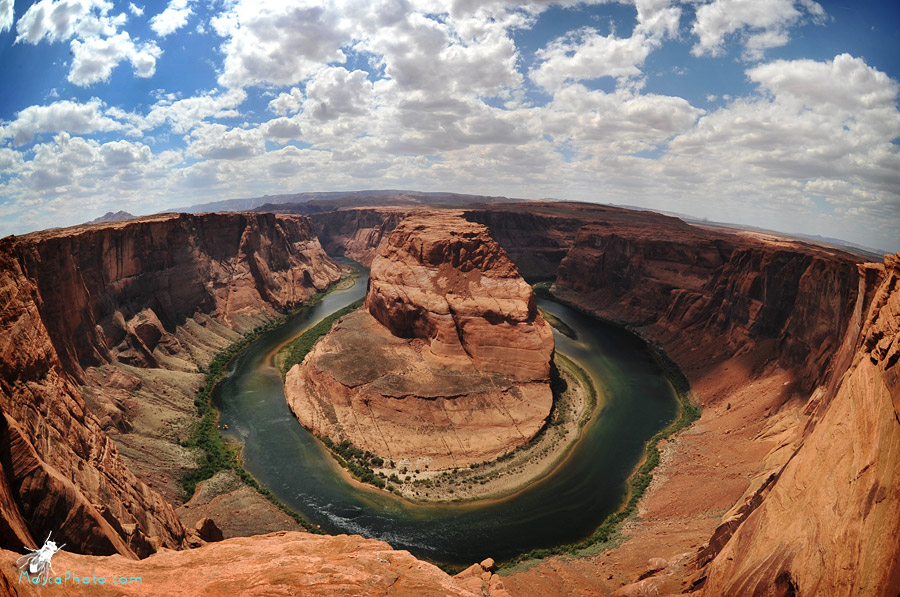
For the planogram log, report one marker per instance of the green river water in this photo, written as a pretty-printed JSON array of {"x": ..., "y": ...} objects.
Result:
[{"x": 563, "y": 507}]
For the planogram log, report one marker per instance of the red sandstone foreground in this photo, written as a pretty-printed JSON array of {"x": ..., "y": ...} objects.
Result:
[{"x": 788, "y": 484}]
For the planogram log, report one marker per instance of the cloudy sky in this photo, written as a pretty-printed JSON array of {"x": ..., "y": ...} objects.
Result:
[{"x": 775, "y": 113}]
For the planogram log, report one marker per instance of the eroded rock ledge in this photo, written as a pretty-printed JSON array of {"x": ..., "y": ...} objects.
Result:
[{"x": 449, "y": 363}]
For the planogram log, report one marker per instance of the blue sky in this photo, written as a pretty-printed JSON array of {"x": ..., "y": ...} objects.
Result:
[{"x": 781, "y": 114}]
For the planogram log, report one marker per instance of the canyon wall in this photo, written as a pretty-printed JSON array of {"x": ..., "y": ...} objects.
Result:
[
  {"x": 828, "y": 521},
  {"x": 709, "y": 295},
  {"x": 108, "y": 298}
]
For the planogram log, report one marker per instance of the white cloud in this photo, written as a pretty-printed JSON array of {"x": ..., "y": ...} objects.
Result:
[
  {"x": 831, "y": 122},
  {"x": 7, "y": 15},
  {"x": 137, "y": 11},
  {"x": 281, "y": 130},
  {"x": 124, "y": 153},
  {"x": 97, "y": 48},
  {"x": 846, "y": 81},
  {"x": 585, "y": 54},
  {"x": 55, "y": 19},
  {"x": 336, "y": 93},
  {"x": 94, "y": 59},
  {"x": 184, "y": 114},
  {"x": 277, "y": 42},
  {"x": 173, "y": 18},
  {"x": 588, "y": 55},
  {"x": 765, "y": 22},
  {"x": 217, "y": 141},
  {"x": 287, "y": 103},
  {"x": 59, "y": 116},
  {"x": 593, "y": 122}
]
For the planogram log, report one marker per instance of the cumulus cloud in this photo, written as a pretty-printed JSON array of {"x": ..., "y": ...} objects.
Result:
[
  {"x": 59, "y": 116},
  {"x": 585, "y": 54},
  {"x": 55, "y": 19},
  {"x": 94, "y": 59},
  {"x": 218, "y": 142},
  {"x": 137, "y": 11},
  {"x": 594, "y": 122},
  {"x": 281, "y": 130},
  {"x": 124, "y": 153},
  {"x": 278, "y": 42},
  {"x": 7, "y": 15},
  {"x": 98, "y": 46},
  {"x": 336, "y": 92},
  {"x": 287, "y": 103},
  {"x": 184, "y": 114},
  {"x": 831, "y": 123},
  {"x": 173, "y": 18},
  {"x": 765, "y": 24},
  {"x": 588, "y": 55}
]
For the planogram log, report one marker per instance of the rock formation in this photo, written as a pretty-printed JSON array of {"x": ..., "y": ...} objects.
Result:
[
  {"x": 448, "y": 365},
  {"x": 112, "y": 296},
  {"x": 828, "y": 521},
  {"x": 283, "y": 563}
]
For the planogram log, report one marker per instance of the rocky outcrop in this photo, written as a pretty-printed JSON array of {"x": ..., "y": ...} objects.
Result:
[
  {"x": 118, "y": 294},
  {"x": 828, "y": 521},
  {"x": 283, "y": 563},
  {"x": 446, "y": 281},
  {"x": 448, "y": 365}
]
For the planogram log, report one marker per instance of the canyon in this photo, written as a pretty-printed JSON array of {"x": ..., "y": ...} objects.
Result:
[
  {"x": 788, "y": 483},
  {"x": 447, "y": 365}
]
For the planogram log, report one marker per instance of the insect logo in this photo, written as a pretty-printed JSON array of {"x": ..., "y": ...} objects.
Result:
[{"x": 38, "y": 561}]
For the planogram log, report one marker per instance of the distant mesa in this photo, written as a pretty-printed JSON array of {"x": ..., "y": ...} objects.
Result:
[
  {"x": 447, "y": 365},
  {"x": 118, "y": 216}
]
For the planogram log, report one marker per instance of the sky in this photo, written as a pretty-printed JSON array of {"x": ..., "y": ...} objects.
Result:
[{"x": 781, "y": 114}]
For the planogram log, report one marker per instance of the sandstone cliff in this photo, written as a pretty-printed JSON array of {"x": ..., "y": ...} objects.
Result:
[
  {"x": 449, "y": 364},
  {"x": 828, "y": 520},
  {"x": 710, "y": 295},
  {"x": 114, "y": 296}
]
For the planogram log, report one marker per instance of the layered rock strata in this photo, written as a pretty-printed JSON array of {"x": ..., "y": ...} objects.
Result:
[
  {"x": 827, "y": 522},
  {"x": 449, "y": 363},
  {"x": 86, "y": 311}
]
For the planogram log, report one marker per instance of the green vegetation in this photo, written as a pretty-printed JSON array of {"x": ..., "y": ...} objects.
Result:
[
  {"x": 607, "y": 533},
  {"x": 216, "y": 454},
  {"x": 542, "y": 290},
  {"x": 299, "y": 348},
  {"x": 559, "y": 325},
  {"x": 359, "y": 463}
]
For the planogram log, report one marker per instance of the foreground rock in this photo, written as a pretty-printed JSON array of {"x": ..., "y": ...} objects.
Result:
[
  {"x": 449, "y": 363},
  {"x": 282, "y": 563}
]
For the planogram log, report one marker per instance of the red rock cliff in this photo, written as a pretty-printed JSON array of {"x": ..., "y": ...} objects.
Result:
[
  {"x": 828, "y": 521},
  {"x": 79, "y": 297},
  {"x": 709, "y": 295}
]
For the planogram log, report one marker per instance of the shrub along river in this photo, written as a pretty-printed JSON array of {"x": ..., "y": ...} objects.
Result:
[{"x": 563, "y": 507}]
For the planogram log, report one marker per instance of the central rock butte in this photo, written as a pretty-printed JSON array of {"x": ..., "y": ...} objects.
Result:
[{"x": 447, "y": 365}]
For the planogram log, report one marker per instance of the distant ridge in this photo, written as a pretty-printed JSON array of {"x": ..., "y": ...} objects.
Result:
[{"x": 346, "y": 199}]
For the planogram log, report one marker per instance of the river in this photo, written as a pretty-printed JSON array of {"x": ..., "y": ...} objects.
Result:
[{"x": 565, "y": 506}]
